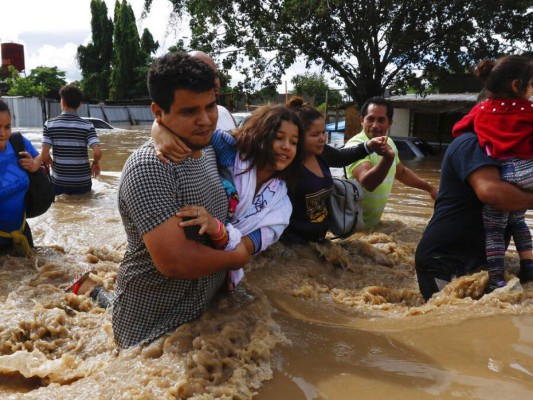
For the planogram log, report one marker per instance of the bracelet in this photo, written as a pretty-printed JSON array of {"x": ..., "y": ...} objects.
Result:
[
  {"x": 222, "y": 241},
  {"x": 220, "y": 237},
  {"x": 366, "y": 147},
  {"x": 221, "y": 232},
  {"x": 220, "y": 226}
]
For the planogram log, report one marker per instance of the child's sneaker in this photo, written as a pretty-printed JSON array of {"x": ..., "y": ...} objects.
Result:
[
  {"x": 496, "y": 281},
  {"x": 83, "y": 283}
]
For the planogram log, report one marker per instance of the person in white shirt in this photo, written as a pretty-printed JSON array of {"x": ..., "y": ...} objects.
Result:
[{"x": 226, "y": 122}]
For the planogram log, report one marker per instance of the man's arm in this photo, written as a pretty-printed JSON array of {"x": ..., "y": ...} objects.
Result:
[
  {"x": 409, "y": 178},
  {"x": 371, "y": 177},
  {"x": 491, "y": 190},
  {"x": 97, "y": 155},
  {"x": 45, "y": 155},
  {"x": 175, "y": 256}
]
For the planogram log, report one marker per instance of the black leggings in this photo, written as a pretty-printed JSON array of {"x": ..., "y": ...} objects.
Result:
[{"x": 434, "y": 273}]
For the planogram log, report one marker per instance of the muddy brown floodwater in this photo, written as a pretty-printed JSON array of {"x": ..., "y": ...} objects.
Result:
[{"x": 343, "y": 321}]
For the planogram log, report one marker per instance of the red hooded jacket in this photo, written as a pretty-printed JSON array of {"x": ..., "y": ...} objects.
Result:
[{"x": 504, "y": 127}]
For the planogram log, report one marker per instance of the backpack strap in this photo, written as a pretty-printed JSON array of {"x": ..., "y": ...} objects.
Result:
[{"x": 17, "y": 142}]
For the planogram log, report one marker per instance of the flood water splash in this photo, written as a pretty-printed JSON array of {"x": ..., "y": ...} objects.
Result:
[{"x": 342, "y": 320}]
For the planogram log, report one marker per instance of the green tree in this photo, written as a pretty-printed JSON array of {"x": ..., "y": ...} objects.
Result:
[
  {"x": 22, "y": 86},
  {"x": 148, "y": 47},
  {"x": 127, "y": 56},
  {"x": 315, "y": 85},
  {"x": 179, "y": 46},
  {"x": 95, "y": 58},
  {"x": 371, "y": 45},
  {"x": 50, "y": 78}
]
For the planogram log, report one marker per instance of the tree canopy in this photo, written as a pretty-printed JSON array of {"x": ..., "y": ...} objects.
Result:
[
  {"x": 50, "y": 78},
  {"x": 114, "y": 64},
  {"x": 127, "y": 55},
  {"x": 315, "y": 85},
  {"x": 95, "y": 58},
  {"x": 42, "y": 81},
  {"x": 370, "y": 45}
]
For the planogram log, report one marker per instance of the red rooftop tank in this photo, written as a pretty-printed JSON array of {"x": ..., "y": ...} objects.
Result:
[{"x": 12, "y": 54}]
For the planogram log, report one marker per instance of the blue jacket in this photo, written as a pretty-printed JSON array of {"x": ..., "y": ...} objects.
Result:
[{"x": 14, "y": 183}]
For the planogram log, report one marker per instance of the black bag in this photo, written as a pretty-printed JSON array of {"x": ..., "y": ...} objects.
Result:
[
  {"x": 40, "y": 194},
  {"x": 345, "y": 208}
]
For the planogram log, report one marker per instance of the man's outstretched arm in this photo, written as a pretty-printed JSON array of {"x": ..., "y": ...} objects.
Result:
[
  {"x": 371, "y": 177},
  {"x": 409, "y": 178}
]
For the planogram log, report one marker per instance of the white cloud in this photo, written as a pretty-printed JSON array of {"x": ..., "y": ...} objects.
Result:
[
  {"x": 52, "y": 30},
  {"x": 64, "y": 58}
]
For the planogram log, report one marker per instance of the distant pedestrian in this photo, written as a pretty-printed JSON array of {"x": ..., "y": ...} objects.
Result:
[{"x": 68, "y": 136}]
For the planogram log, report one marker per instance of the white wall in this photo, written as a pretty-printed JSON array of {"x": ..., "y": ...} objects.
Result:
[{"x": 400, "y": 122}]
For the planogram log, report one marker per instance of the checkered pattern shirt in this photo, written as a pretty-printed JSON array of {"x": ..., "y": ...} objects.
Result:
[{"x": 148, "y": 304}]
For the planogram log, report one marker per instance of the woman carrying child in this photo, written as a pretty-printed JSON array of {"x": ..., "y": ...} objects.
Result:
[{"x": 503, "y": 124}]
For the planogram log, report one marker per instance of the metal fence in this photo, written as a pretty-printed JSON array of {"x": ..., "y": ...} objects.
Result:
[{"x": 31, "y": 112}]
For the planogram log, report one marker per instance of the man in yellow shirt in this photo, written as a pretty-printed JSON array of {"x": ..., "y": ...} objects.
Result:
[{"x": 377, "y": 173}]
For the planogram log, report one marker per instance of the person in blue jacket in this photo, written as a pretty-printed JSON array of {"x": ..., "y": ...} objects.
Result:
[{"x": 15, "y": 234}]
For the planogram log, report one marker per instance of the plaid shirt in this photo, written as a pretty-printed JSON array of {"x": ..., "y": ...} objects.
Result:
[{"x": 148, "y": 304}]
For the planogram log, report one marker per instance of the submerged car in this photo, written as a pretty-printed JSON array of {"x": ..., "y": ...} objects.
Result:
[
  {"x": 408, "y": 147},
  {"x": 99, "y": 123},
  {"x": 241, "y": 118}
]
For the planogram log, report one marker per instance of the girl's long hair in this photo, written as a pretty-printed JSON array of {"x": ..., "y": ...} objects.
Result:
[{"x": 256, "y": 137}]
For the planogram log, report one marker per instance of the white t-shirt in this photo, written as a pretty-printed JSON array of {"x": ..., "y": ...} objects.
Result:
[{"x": 225, "y": 120}]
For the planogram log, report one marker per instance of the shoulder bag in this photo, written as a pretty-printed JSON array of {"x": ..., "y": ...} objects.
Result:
[
  {"x": 40, "y": 194},
  {"x": 345, "y": 207}
]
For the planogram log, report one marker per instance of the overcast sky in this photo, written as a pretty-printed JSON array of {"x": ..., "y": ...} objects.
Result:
[{"x": 52, "y": 30}]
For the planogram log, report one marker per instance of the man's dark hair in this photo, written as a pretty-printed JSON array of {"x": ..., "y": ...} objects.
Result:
[
  {"x": 4, "y": 107},
  {"x": 175, "y": 71},
  {"x": 378, "y": 101},
  {"x": 72, "y": 95}
]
